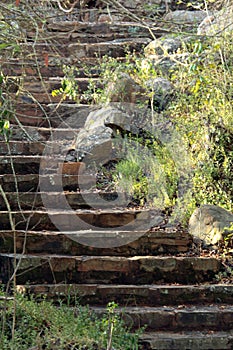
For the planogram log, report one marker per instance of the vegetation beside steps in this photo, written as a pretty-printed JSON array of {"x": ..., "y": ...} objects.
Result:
[{"x": 29, "y": 324}]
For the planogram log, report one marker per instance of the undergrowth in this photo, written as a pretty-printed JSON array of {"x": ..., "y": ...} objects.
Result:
[{"x": 43, "y": 325}]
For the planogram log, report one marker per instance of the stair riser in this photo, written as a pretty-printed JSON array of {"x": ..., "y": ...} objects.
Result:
[
  {"x": 104, "y": 31},
  {"x": 134, "y": 295},
  {"x": 36, "y": 136},
  {"x": 49, "y": 116},
  {"x": 106, "y": 271},
  {"x": 16, "y": 69},
  {"x": 67, "y": 221},
  {"x": 20, "y": 168},
  {"x": 28, "y": 149},
  {"x": 85, "y": 50},
  {"x": 188, "y": 341},
  {"x": 75, "y": 200},
  {"x": 149, "y": 244},
  {"x": 51, "y": 183},
  {"x": 179, "y": 320}
]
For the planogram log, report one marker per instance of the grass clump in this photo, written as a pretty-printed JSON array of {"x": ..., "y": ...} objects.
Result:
[{"x": 31, "y": 324}]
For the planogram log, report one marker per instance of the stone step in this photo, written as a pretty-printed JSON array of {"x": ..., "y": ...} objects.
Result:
[
  {"x": 191, "y": 340},
  {"x": 215, "y": 317},
  {"x": 24, "y": 164},
  {"x": 69, "y": 220},
  {"x": 39, "y": 269},
  {"x": 29, "y": 148},
  {"x": 103, "y": 31},
  {"x": 15, "y": 68},
  {"x": 76, "y": 200},
  {"x": 32, "y": 134},
  {"x": 42, "y": 91},
  {"x": 48, "y": 163},
  {"x": 112, "y": 48},
  {"x": 153, "y": 242},
  {"x": 30, "y": 182},
  {"x": 99, "y": 13},
  {"x": 87, "y": 67},
  {"x": 51, "y": 115},
  {"x": 134, "y": 295},
  {"x": 35, "y": 85}
]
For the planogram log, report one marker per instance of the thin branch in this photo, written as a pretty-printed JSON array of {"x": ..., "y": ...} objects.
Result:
[{"x": 63, "y": 9}]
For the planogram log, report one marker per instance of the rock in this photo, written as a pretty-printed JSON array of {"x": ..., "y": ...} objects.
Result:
[
  {"x": 95, "y": 144},
  {"x": 163, "y": 46},
  {"x": 101, "y": 137},
  {"x": 162, "y": 90},
  {"x": 165, "y": 54},
  {"x": 185, "y": 17},
  {"x": 124, "y": 89},
  {"x": 133, "y": 4},
  {"x": 217, "y": 23},
  {"x": 165, "y": 63},
  {"x": 205, "y": 25},
  {"x": 210, "y": 223},
  {"x": 95, "y": 140},
  {"x": 108, "y": 115}
]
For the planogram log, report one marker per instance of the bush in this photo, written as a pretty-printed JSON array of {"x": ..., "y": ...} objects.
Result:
[{"x": 43, "y": 325}]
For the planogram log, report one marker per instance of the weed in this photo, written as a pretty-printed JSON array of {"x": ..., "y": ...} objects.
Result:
[{"x": 43, "y": 325}]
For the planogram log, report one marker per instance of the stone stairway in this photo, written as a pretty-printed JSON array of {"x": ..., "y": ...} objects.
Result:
[{"x": 157, "y": 279}]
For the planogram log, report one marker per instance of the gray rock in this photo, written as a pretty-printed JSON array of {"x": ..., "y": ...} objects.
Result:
[
  {"x": 101, "y": 137},
  {"x": 108, "y": 115},
  {"x": 165, "y": 53},
  {"x": 163, "y": 45},
  {"x": 218, "y": 23},
  {"x": 210, "y": 223},
  {"x": 95, "y": 140},
  {"x": 162, "y": 90},
  {"x": 185, "y": 17},
  {"x": 124, "y": 89},
  {"x": 165, "y": 63},
  {"x": 95, "y": 144}
]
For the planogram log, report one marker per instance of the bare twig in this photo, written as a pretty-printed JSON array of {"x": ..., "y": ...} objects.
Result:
[{"x": 65, "y": 10}]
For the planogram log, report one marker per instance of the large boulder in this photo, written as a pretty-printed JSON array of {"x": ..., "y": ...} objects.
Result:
[
  {"x": 101, "y": 138},
  {"x": 95, "y": 140},
  {"x": 210, "y": 223}
]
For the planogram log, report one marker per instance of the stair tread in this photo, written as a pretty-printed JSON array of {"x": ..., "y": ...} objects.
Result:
[
  {"x": 114, "y": 258},
  {"x": 133, "y": 294},
  {"x": 29, "y": 181},
  {"x": 29, "y": 177},
  {"x": 191, "y": 340},
  {"x": 195, "y": 317},
  {"x": 167, "y": 232},
  {"x": 129, "y": 287},
  {"x": 173, "y": 335},
  {"x": 82, "y": 211},
  {"x": 41, "y": 268},
  {"x": 213, "y": 308}
]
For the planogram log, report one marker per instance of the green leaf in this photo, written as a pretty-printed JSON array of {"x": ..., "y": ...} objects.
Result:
[{"x": 6, "y": 125}]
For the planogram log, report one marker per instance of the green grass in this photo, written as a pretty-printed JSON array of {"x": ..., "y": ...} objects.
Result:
[{"x": 27, "y": 323}]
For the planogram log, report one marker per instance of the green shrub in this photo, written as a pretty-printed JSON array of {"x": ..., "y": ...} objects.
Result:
[
  {"x": 203, "y": 114},
  {"x": 43, "y": 325}
]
